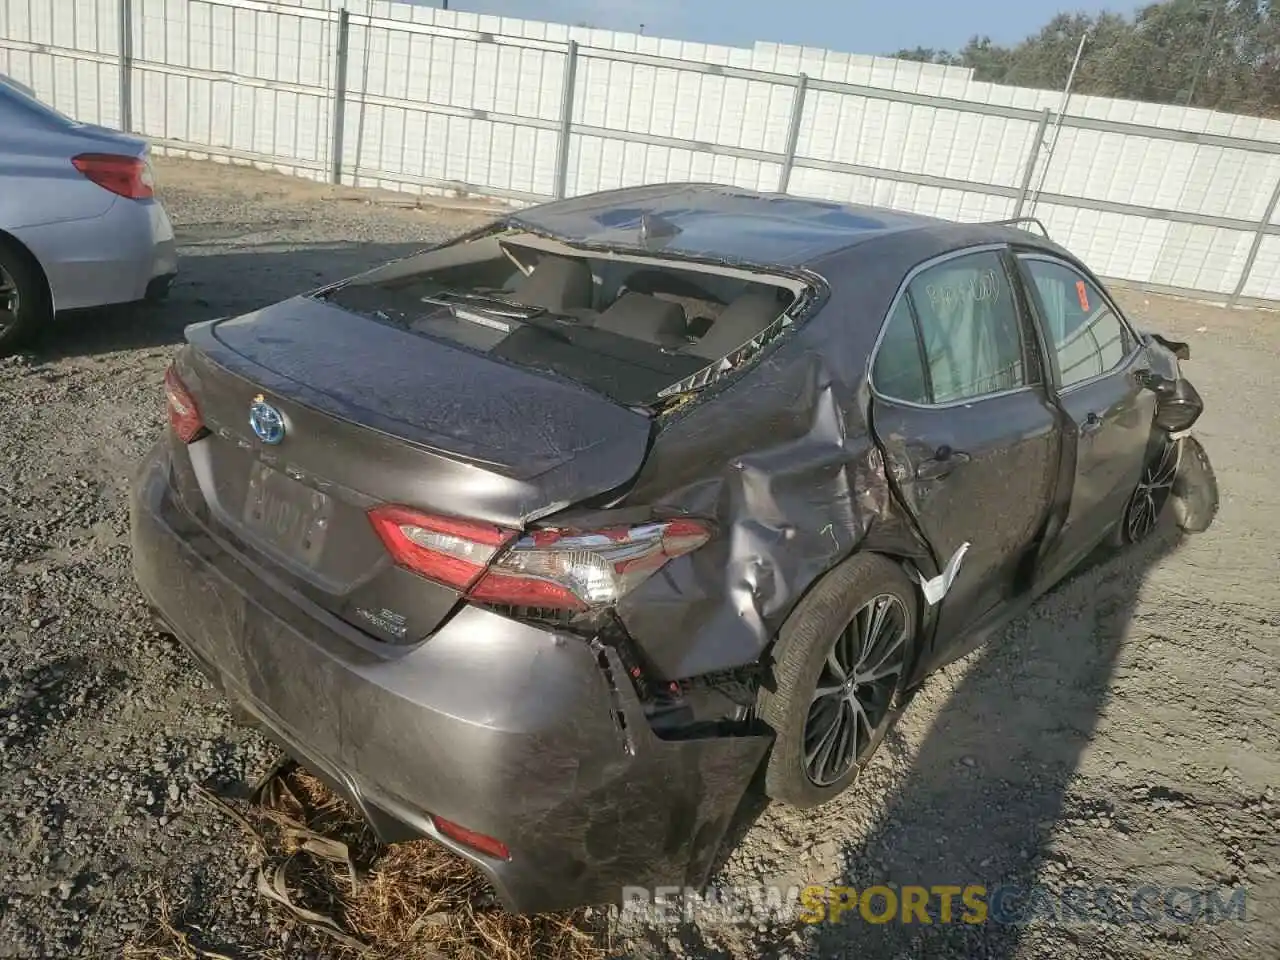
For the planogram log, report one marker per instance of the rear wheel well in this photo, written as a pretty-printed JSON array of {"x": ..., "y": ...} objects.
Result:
[
  {"x": 923, "y": 616},
  {"x": 838, "y": 673},
  {"x": 902, "y": 561},
  {"x": 10, "y": 243}
]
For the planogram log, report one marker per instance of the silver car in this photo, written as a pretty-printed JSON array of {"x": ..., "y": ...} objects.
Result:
[{"x": 80, "y": 225}]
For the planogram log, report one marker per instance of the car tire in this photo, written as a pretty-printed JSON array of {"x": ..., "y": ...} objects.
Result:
[
  {"x": 1195, "y": 489},
  {"x": 24, "y": 299},
  {"x": 816, "y": 646},
  {"x": 158, "y": 290}
]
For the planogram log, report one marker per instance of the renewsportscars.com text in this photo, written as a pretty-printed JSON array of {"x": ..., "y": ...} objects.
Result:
[{"x": 1009, "y": 904}]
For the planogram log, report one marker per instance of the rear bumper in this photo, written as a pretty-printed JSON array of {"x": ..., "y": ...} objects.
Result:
[
  {"x": 502, "y": 727},
  {"x": 109, "y": 259}
]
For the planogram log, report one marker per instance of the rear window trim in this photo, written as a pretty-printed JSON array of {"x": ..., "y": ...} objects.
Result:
[{"x": 754, "y": 273}]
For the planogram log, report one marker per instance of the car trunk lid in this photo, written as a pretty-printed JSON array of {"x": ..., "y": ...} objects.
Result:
[{"x": 374, "y": 414}]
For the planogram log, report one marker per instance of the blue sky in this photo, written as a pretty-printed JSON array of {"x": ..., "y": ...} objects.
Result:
[{"x": 849, "y": 26}]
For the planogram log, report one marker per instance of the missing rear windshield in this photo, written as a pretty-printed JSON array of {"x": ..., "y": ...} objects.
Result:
[{"x": 639, "y": 330}]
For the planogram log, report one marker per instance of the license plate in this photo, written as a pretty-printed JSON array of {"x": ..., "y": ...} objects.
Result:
[{"x": 289, "y": 515}]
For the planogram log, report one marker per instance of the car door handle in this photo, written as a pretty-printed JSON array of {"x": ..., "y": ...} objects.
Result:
[
  {"x": 1092, "y": 423},
  {"x": 941, "y": 464}
]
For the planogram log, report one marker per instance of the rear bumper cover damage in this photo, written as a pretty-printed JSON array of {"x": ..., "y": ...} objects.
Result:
[{"x": 512, "y": 730}]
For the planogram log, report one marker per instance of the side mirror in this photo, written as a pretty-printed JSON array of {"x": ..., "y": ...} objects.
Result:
[{"x": 1178, "y": 404}]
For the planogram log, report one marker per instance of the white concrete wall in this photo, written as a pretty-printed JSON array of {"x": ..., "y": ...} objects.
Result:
[
  {"x": 431, "y": 107},
  {"x": 84, "y": 89}
]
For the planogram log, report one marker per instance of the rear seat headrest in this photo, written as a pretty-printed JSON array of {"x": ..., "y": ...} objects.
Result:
[
  {"x": 741, "y": 320},
  {"x": 556, "y": 283},
  {"x": 642, "y": 317}
]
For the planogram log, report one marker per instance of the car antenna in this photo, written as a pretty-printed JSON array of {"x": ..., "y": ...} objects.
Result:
[{"x": 653, "y": 227}]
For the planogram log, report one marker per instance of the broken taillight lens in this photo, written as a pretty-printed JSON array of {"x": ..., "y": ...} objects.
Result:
[
  {"x": 549, "y": 569},
  {"x": 184, "y": 415},
  {"x": 577, "y": 571}
]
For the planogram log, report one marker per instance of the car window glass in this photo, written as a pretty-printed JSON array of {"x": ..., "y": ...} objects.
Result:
[
  {"x": 1087, "y": 336},
  {"x": 969, "y": 324},
  {"x": 899, "y": 369}
]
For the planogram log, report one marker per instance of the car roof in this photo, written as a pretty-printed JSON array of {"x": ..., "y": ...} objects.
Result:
[
  {"x": 22, "y": 98},
  {"x": 719, "y": 222}
]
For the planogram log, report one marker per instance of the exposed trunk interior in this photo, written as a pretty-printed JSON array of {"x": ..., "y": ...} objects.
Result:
[
  {"x": 632, "y": 327},
  {"x": 500, "y": 379}
]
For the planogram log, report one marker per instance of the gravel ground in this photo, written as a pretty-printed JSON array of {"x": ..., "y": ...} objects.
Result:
[{"x": 1124, "y": 733}]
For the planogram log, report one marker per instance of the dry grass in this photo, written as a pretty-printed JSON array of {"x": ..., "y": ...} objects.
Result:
[{"x": 323, "y": 870}]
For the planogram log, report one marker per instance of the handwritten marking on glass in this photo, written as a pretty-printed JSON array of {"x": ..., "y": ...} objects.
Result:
[{"x": 979, "y": 288}]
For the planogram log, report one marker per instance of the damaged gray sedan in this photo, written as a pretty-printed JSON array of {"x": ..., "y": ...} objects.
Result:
[{"x": 548, "y": 541}]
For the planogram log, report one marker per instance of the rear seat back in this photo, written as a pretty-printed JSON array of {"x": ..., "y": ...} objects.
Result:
[
  {"x": 741, "y": 320},
  {"x": 642, "y": 317},
  {"x": 556, "y": 283}
]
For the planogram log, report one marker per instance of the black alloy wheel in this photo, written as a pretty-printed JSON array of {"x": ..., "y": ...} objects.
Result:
[
  {"x": 855, "y": 691},
  {"x": 840, "y": 668},
  {"x": 1152, "y": 494}
]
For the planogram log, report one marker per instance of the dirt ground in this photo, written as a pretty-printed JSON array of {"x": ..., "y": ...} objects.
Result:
[{"x": 1126, "y": 733}]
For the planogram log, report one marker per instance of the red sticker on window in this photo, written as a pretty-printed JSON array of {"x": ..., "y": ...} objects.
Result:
[{"x": 1083, "y": 293}]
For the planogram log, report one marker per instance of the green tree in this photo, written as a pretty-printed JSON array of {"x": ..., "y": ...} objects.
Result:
[
  {"x": 1223, "y": 54},
  {"x": 990, "y": 61},
  {"x": 927, "y": 55}
]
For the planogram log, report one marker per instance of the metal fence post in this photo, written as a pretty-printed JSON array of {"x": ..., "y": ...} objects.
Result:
[
  {"x": 1031, "y": 163},
  {"x": 1256, "y": 245},
  {"x": 126, "y": 65},
  {"x": 566, "y": 118},
  {"x": 340, "y": 94},
  {"x": 793, "y": 131}
]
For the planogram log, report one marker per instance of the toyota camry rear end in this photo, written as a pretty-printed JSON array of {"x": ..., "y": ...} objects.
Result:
[
  {"x": 390, "y": 535},
  {"x": 546, "y": 542}
]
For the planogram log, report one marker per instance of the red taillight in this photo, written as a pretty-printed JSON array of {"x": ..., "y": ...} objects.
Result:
[
  {"x": 470, "y": 838},
  {"x": 572, "y": 570},
  {"x": 184, "y": 415},
  {"x": 500, "y": 588},
  {"x": 552, "y": 569},
  {"x": 448, "y": 551},
  {"x": 126, "y": 176}
]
